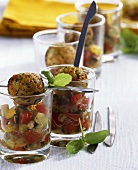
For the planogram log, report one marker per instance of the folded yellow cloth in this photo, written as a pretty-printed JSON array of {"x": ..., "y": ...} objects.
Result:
[{"x": 24, "y": 18}]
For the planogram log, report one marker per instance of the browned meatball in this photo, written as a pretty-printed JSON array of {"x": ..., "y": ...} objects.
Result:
[
  {"x": 25, "y": 84},
  {"x": 76, "y": 73},
  {"x": 60, "y": 53}
]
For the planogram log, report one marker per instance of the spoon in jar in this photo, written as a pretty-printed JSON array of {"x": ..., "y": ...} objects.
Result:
[{"x": 90, "y": 14}]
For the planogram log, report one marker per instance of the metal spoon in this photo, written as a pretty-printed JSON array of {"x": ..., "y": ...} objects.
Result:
[
  {"x": 78, "y": 89},
  {"x": 90, "y": 14},
  {"x": 97, "y": 127},
  {"x": 109, "y": 140}
]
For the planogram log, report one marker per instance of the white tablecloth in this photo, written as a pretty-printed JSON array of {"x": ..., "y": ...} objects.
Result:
[{"x": 118, "y": 85}]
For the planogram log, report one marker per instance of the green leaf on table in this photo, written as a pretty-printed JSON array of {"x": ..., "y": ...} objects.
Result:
[
  {"x": 62, "y": 79},
  {"x": 75, "y": 146},
  {"x": 96, "y": 137},
  {"x": 49, "y": 76},
  {"x": 129, "y": 41},
  {"x": 92, "y": 148}
]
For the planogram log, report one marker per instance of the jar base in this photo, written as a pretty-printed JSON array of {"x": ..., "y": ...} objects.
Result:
[
  {"x": 61, "y": 140},
  {"x": 26, "y": 157}
]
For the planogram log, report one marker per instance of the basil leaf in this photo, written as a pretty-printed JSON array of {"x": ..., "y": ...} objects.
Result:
[
  {"x": 129, "y": 41},
  {"x": 96, "y": 137},
  {"x": 49, "y": 76},
  {"x": 75, "y": 146},
  {"x": 92, "y": 148},
  {"x": 62, "y": 79}
]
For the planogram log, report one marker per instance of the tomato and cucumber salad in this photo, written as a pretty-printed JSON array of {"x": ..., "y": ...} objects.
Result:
[
  {"x": 68, "y": 108},
  {"x": 25, "y": 127}
]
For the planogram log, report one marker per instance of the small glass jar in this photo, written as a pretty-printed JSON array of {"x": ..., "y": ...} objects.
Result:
[
  {"x": 112, "y": 12},
  {"x": 70, "y": 106},
  {"x": 25, "y": 127},
  {"x": 54, "y": 47},
  {"x": 93, "y": 46},
  {"x": 130, "y": 15}
]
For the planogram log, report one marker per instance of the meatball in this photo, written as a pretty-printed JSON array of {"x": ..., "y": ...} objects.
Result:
[
  {"x": 60, "y": 54},
  {"x": 76, "y": 73},
  {"x": 25, "y": 84}
]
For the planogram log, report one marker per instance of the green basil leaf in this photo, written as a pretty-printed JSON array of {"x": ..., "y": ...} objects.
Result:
[
  {"x": 92, "y": 148},
  {"x": 49, "y": 76},
  {"x": 75, "y": 146},
  {"x": 129, "y": 41},
  {"x": 62, "y": 79},
  {"x": 96, "y": 137}
]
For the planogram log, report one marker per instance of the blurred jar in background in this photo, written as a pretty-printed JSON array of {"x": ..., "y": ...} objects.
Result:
[
  {"x": 112, "y": 13},
  {"x": 130, "y": 9},
  {"x": 93, "y": 46},
  {"x": 130, "y": 15}
]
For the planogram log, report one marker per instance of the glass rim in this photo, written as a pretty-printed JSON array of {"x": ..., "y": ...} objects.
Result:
[
  {"x": 63, "y": 65},
  {"x": 101, "y": 22},
  {"x": 31, "y": 96},
  {"x": 54, "y": 31},
  {"x": 118, "y": 8}
]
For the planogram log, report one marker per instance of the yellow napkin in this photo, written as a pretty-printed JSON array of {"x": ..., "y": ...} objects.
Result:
[{"x": 23, "y": 18}]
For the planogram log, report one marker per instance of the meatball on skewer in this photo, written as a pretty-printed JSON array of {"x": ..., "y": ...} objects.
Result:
[{"x": 25, "y": 84}]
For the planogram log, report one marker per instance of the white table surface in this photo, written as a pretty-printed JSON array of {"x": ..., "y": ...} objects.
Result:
[{"x": 118, "y": 85}]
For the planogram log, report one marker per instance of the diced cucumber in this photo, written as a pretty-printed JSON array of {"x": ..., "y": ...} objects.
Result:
[
  {"x": 38, "y": 128},
  {"x": 4, "y": 109},
  {"x": 10, "y": 143},
  {"x": 10, "y": 128},
  {"x": 41, "y": 119},
  {"x": 23, "y": 128}
]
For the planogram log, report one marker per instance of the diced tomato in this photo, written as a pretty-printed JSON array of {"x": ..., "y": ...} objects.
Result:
[
  {"x": 25, "y": 117},
  {"x": 17, "y": 134},
  {"x": 84, "y": 104},
  {"x": 32, "y": 136},
  {"x": 20, "y": 161},
  {"x": 11, "y": 120},
  {"x": 19, "y": 149},
  {"x": 47, "y": 139},
  {"x": 41, "y": 108},
  {"x": 70, "y": 126},
  {"x": 72, "y": 116},
  {"x": 75, "y": 98},
  {"x": 85, "y": 101},
  {"x": 78, "y": 96},
  {"x": 55, "y": 122},
  {"x": 4, "y": 121},
  {"x": 87, "y": 56}
]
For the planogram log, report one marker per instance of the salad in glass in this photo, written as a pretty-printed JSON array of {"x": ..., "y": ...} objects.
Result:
[
  {"x": 25, "y": 119},
  {"x": 70, "y": 106}
]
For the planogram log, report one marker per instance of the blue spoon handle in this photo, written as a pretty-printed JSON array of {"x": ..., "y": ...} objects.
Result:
[{"x": 89, "y": 16}]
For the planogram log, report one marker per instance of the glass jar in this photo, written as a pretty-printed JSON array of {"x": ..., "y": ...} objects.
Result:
[
  {"x": 70, "y": 106},
  {"x": 93, "y": 45},
  {"x": 112, "y": 12},
  {"x": 130, "y": 15},
  {"x": 25, "y": 127},
  {"x": 52, "y": 47}
]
